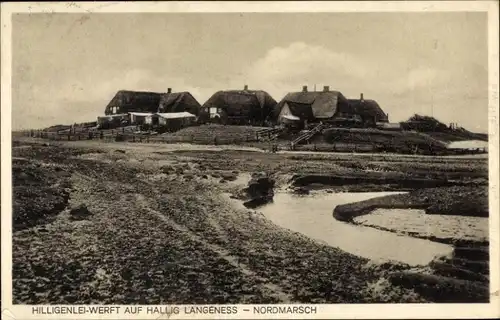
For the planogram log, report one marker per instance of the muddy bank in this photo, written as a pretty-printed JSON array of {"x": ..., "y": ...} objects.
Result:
[
  {"x": 442, "y": 289},
  {"x": 260, "y": 190},
  {"x": 456, "y": 200},
  {"x": 384, "y": 183}
]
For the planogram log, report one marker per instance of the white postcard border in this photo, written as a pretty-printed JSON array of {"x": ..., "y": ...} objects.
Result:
[{"x": 340, "y": 311}]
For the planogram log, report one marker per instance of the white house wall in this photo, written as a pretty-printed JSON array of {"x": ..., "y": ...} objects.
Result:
[{"x": 285, "y": 111}]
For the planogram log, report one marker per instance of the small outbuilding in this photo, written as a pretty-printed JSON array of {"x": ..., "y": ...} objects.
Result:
[
  {"x": 113, "y": 121},
  {"x": 139, "y": 118},
  {"x": 173, "y": 121}
]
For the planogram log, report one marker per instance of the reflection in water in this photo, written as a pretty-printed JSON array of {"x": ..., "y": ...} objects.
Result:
[
  {"x": 468, "y": 144},
  {"x": 312, "y": 216}
]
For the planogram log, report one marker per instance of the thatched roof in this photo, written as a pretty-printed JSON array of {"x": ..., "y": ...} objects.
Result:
[
  {"x": 242, "y": 102},
  {"x": 133, "y": 101},
  {"x": 368, "y": 109},
  {"x": 179, "y": 102},
  {"x": 151, "y": 102},
  {"x": 323, "y": 104}
]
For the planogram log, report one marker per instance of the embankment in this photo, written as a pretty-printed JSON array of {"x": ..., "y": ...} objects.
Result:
[
  {"x": 385, "y": 182},
  {"x": 454, "y": 200}
]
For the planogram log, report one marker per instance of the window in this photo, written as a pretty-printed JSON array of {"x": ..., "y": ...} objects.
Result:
[{"x": 213, "y": 110}]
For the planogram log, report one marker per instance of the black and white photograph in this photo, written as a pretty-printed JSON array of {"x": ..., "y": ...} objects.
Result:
[{"x": 280, "y": 160}]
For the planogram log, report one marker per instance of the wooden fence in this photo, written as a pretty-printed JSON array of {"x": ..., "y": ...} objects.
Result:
[
  {"x": 130, "y": 135},
  {"x": 261, "y": 136}
]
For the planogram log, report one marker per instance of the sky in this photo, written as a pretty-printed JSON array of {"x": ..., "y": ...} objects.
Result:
[{"x": 66, "y": 67}]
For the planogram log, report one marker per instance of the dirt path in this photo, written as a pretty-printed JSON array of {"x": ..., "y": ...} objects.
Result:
[
  {"x": 273, "y": 289},
  {"x": 145, "y": 203},
  {"x": 173, "y": 147}
]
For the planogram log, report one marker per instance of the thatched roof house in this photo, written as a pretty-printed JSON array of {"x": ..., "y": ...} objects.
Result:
[
  {"x": 179, "y": 102},
  {"x": 151, "y": 102},
  {"x": 314, "y": 106},
  {"x": 368, "y": 110},
  {"x": 239, "y": 106},
  {"x": 126, "y": 101}
]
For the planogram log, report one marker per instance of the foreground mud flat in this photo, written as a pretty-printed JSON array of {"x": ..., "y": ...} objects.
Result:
[{"x": 139, "y": 225}]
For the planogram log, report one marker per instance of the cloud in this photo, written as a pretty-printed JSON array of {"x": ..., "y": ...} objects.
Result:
[
  {"x": 288, "y": 68},
  {"x": 300, "y": 60},
  {"x": 422, "y": 77}
]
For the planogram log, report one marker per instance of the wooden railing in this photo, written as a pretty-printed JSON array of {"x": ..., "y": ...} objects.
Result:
[
  {"x": 268, "y": 134},
  {"x": 307, "y": 135},
  {"x": 131, "y": 135}
]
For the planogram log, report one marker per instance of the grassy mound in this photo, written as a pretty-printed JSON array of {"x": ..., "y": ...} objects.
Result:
[
  {"x": 401, "y": 141},
  {"x": 213, "y": 134},
  {"x": 218, "y": 130}
]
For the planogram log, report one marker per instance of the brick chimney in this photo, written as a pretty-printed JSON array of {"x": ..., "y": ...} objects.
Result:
[
  {"x": 361, "y": 97},
  {"x": 169, "y": 90},
  {"x": 245, "y": 87},
  {"x": 304, "y": 89},
  {"x": 326, "y": 88}
]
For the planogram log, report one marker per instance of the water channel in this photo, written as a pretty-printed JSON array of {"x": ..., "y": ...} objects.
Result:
[{"x": 312, "y": 216}]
